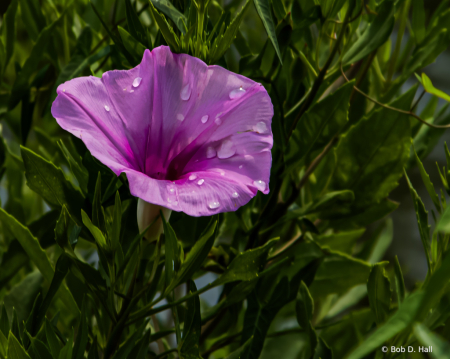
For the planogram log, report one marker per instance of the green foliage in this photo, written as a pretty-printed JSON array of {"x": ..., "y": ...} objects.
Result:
[{"x": 300, "y": 271}]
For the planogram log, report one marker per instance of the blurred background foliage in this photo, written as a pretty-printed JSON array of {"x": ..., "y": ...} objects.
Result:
[{"x": 346, "y": 254}]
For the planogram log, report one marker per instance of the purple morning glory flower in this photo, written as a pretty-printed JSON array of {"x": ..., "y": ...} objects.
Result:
[{"x": 190, "y": 137}]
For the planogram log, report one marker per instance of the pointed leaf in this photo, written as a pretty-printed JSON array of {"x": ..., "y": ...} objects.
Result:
[
  {"x": 49, "y": 181},
  {"x": 379, "y": 292},
  {"x": 265, "y": 13},
  {"x": 428, "y": 86},
  {"x": 15, "y": 349},
  {"x": 375, "y": 34},
  {"x": 39, "y": 257},
  {"x": 166, "y": 7}
]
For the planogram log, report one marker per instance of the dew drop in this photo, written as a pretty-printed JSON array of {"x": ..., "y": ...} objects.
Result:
[
  {"x": 192, "y": 177},
  {"x": 205, "y": 119},
  {"x": 131, "y": 91},
  {"x": 240, "y": 166},
  {"x": 226, "y": 149},
  {"x": 125, "y": 89},
  {"x": 210, "y": 152},
  {"x": 137, "y": 81},
  {"x": 219, "y": 114},
  {"x": 107, "y": 108},
  {"x": 185, "y": 93},
  {"x": 64, "y": 90},
  {"x": 214, "y": 205},
  {"x": 260, "y": 185},
  {"x": 235, "y": 195},
  {"x": 218, "y": 121},
  {"x": 237, "y": 93},
  {"x": 261, "y": 127},
  {"x": 200, "y": 182},
  {"x": 180, "y": 117},
  {"x": 172, "y": 190}
]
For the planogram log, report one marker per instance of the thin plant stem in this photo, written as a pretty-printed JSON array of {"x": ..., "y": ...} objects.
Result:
[{"x": 410, "y": 113}]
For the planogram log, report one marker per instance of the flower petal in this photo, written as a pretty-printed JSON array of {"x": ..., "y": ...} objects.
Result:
[{"x": 170, "y": 118}]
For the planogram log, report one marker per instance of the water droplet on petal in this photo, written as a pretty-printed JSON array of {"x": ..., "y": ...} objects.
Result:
[
  {"x": 237, "y": 93},
  {"x": 205, "y": 119},
  {"x": 180, "y": 117},
  {"x": 107, "y": 108},
  {"x": 218, "y": 121},
  {"x": 214, "y": 205},
  {"x": 219, "y": 114},
  {"x": 131, "y": 91},
  {"x": 185, "y": 93},
  {"x": 235, "y": 195},
  {"x": 226, "y": 149},
  {"x": 260, "y": 185},
  {"x": 172, "y": 190},
  {"x": 192, "y": 177},
  {"x": 261, "y": 127},
  {"x": 240, "y": 166},
  {"x": 200, "y": 182},
  {"x": 210, "y": 152},
  {"x": 64, "y": 90},
  {"x": 137, "y": 81}
]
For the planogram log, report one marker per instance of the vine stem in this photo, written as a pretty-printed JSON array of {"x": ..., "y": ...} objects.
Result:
[{"x": 410, "y": 113}]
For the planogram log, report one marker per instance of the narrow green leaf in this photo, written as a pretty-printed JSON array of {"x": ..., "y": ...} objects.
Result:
[
  {"x": 196, "y": 255},
  {"x": 238, "y": 352},
  {"x": 166, "y": 7},
  {"x": 23, "y": 79},
  {"x": 135, "y": 25},
  {"x": 422, "y": 220},
  {"x": 379, "y": 292},
  {"x": 133, "y": 46},
  {"x": 82, "y": 334},
  {"x": 49, "y": 181},
  {"x": 304, "y": 308},
  {"x": 402, "y": 319},
  {"x": 428, "y": 184},
  {"x": 399, "y": 281},
  {"x": 95, "y": 231},
  {"x": 3, "y": 345},
  {"x": 172, "y": 251},
  {"x": 9, "y": 21},
  {"x": 76, "y": 164},
  {"x": 93, "y": 351},
  {"x": 39, "y": 257},
  {"x": 166, "y": 30},
  {"x": 372, "y": 154},
  {"x": 66, "y": 352},
  {"x": 15, "y": 349},
  {"x": 4, "y": 322},
  {"x": 52, "y": 339},
  {"x": 428, "y": 86},
  {"x": 319, "y": 125},
  {"x": 374, "y": 36},
  {"x": 40, "y": 349},
  {"x": 265, "y": 13},
  {"x": 418, "y": 21},
  {"x": 117, "y": 218},
  {"x": 246, "y": 265},
  {"x": 225, "y": 38},
  {"x": 32, "y": 16},
  {"x": 338, "y": 273},
  {"x": 189, "y": 344},
  {"x": 440, "y": 347}
]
